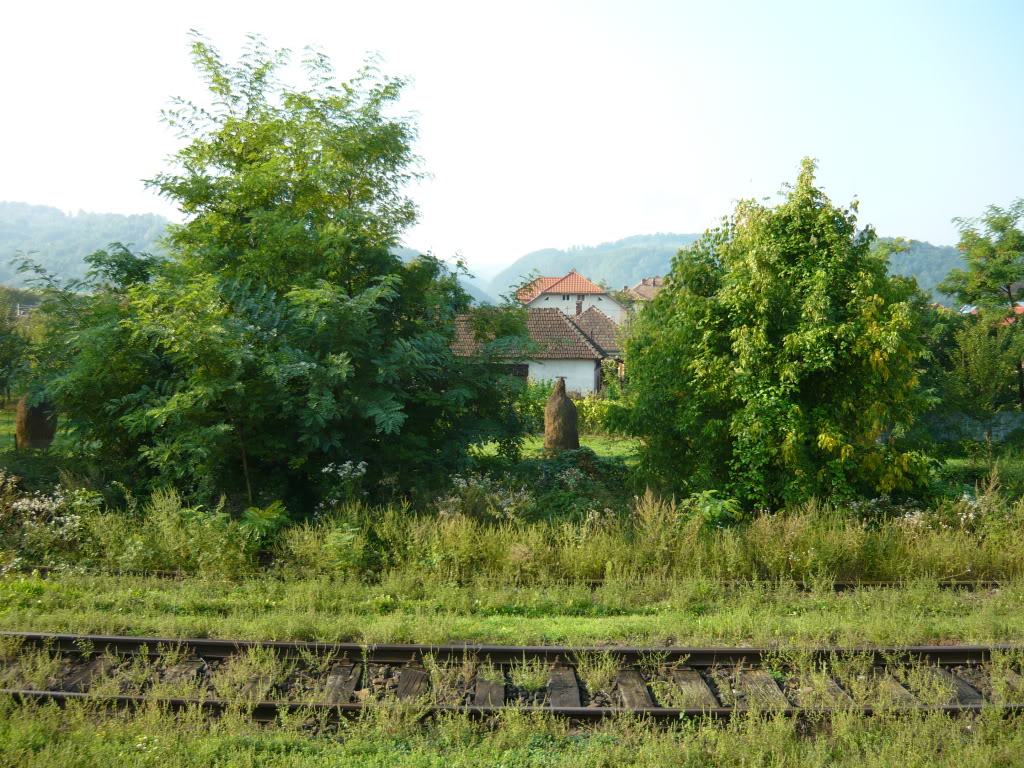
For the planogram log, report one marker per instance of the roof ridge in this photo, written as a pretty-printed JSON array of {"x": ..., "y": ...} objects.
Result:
[
  {"x": 586, "y": 339},
  {"x": 595, "y": 309},
  {"x": 551, "y": 288}
]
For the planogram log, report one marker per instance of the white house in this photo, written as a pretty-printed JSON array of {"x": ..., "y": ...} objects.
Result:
[
  {"x": 562, "y": 349},
  {"x": 572, "y": 294}
]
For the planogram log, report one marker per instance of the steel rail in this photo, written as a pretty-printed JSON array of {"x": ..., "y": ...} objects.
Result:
[{"x": 942, "y": 655}]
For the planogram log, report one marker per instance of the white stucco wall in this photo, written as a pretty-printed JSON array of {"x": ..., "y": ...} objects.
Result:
[
  {"x": 580, "y": 375},
  {"x": 603, "y": 302}
]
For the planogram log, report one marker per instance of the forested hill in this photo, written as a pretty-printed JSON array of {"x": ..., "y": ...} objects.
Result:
[
  {"x": 471, "y": 285},
  {"x": 626, "y": 261},
  {"x": 619, "y": 263},
  {"x": 60, "y": 241},
  {"x": 928, "y": 263}
]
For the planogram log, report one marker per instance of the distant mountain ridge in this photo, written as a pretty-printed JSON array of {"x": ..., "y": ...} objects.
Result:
[
  {"x": 618, "y": 263},
  {"x": 61, "y": 241},
  {"x": 627, "y": 261},
  {"x": 930, "y": 264}
]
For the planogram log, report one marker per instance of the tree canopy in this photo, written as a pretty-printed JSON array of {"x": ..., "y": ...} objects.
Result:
[
  {"x": 781, "y": 362},
  {"x": 283, "y": 337},
  {"x": 993, "y": 279}
]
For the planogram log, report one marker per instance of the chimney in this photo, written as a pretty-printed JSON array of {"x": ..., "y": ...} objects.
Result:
[{"x": 579, "y": 306}]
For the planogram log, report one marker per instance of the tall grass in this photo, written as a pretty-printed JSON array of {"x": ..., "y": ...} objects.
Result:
[{"x": 971, "y": 538}]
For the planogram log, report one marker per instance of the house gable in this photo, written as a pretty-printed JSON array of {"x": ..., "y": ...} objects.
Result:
[{"x": 602, "y": 331}]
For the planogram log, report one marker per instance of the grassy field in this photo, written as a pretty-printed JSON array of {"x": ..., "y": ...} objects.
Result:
[
  {"x": 418, "y": 610},
  {"x": 473, "y": 569},
  {"x": 85, "y": 736}
]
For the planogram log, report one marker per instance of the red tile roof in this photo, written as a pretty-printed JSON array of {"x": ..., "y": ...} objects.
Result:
[
  {"x": 556, "y": 337},
  {"x": 573, "y": 282},
  {"x": 532, "y": 290},
  {"x": 647, "y": 288},
  {"x": 1017, "y": 310},
  {"x": 600, "y": 329}
]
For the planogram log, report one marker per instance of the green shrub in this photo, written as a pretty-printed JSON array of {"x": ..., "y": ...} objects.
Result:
[
  {"x": 592, "y": 412},
  {"x": 322, "y": 548},
  {"x": 530, "y": 404}
]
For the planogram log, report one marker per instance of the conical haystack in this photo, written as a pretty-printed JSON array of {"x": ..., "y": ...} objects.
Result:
[
  {"x": 34, "y": 426},
  {"x": 560, "y": 431}
]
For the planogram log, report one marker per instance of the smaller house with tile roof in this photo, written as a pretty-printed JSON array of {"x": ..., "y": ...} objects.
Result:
[
  {"x": 572, "y": 294},
  {"x": 1018, "y": 310},
  {"x": 561, "y": 348},
  {"x": 646, "y": 289}
]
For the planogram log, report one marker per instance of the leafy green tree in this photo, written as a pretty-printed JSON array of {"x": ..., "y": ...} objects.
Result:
[
  {"x": 13, "y": 344},
  {"x": 993, "y": 249},
  {"x": 283, "y": 336},
  {"x": 780, "y": 362},
  {"x": 979, "y": 378}
]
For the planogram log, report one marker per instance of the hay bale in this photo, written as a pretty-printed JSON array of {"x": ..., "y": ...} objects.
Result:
[
  {"x": 560, "y": 430},
  {"x": 34, "y": 426}
]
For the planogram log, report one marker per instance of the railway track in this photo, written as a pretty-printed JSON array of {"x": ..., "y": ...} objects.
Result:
[{"x": 334, "y": 680}]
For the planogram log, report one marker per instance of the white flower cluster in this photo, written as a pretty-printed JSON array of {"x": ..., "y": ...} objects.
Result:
[
  {"x": 482, "y": 496},
  {"x": 884, "y": 507},
  {"x": 347, "y": 471},
  {"x": 970, "y": 509},
  {"x": 50, "y": 518},
  {"x": 573, "y": 478},
  {"x": 344, "y": 479},
  {"x": 44, "y": 522}
]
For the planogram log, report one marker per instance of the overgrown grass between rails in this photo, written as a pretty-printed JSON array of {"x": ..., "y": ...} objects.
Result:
[
  {"x": 86, "y": 735},
  {"x": 412, "y": 608}
]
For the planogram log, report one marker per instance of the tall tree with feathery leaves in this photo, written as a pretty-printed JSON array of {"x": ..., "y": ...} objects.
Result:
[{"x": 283, "y": 336}]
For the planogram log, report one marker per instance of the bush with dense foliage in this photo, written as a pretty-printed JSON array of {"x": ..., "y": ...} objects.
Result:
[{"x": 780, "y": 363}]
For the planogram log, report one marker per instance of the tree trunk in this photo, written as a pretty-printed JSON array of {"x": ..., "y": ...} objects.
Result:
[{"x": 245, "y": 464}]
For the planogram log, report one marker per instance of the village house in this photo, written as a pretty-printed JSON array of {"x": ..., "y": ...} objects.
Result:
[
  {"x": 571, "y": 294},
  {"x": 569, "y": 346},
  {"x": 645, "y": 290}
]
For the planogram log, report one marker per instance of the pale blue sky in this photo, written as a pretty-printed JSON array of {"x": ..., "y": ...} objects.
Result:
[{"x": 560, "y": 123}]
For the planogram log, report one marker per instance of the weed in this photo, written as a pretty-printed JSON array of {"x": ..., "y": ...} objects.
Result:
[
  {"x": 597, "y": 670},
  {"x": 530, "y": 674}
]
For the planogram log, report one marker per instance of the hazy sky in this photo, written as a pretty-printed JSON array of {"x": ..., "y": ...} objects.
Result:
[{"x": 560, "y": 123}]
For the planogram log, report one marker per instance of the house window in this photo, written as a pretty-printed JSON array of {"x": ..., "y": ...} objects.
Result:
[
  {"x": 565, "y": 297},
  {"x": 519, "y": 370},
  {"x": 580, "y": 297}
]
